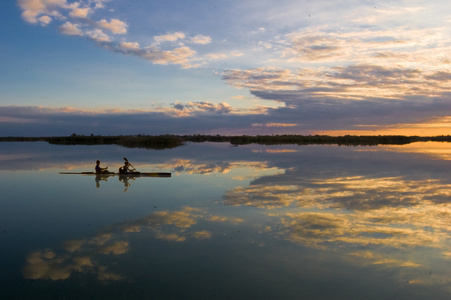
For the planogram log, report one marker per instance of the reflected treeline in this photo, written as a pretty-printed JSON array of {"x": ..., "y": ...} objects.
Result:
[{"x": 172, "y": 141}]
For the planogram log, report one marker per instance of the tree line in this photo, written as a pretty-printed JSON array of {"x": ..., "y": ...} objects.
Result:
[{"x": 172, "y": 141}]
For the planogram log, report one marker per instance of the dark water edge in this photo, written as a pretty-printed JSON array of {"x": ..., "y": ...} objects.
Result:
[{"x": 173, "y": 141}]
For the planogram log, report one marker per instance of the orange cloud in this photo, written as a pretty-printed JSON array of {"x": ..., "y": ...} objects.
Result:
[{"x": 435, "y": 127}]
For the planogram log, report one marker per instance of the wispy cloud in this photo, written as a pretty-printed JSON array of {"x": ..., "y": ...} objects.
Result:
[{"x": 77, "y": 19}]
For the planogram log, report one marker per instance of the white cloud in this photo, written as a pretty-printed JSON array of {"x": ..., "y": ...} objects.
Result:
[
  {"x": 79, "y": 12},
  {"x": 34, "y": 10},
  {"x": 201, "y": 39},
  {"x": 216, "y": 56},
  {"x": 70, "y": 29},
  {"x": 129, "y": 46},
  {"x": 115, "y": 26},
  {"x": 80, "y": 23},
  {"x": 99, "y": 3},
  {"x": 323, "y": 44},
  {"x": 44, "y": 20},
  {"x": 170, "y": 37},
  {"x": 98, "y": 36},
  {"x": 182, "y": 56}
]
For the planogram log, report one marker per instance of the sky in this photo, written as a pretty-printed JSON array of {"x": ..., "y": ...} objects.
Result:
[{"x": 113, "y": 67}]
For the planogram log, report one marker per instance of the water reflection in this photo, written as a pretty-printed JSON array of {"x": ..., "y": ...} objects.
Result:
[
  {"x": 436, "y": 150},
  {"x": 379, "y": 217},
  {"x": 124, "y": 179},
  {"x": 352, "y": 193},
  {"x": 82, "y": 255},
  {"x": 101, "y": 177}
]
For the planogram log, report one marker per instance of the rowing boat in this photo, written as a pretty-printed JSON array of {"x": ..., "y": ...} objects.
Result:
[{"x": 129, "y": 174}]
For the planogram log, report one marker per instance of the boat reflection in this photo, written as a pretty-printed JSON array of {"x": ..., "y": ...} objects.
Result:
[
  {"x": 123, "y": 178},
  {"x": 101, "y": 177}
]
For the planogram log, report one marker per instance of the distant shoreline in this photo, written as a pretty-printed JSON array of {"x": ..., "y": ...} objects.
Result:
[{"x": 172, "y": 141}]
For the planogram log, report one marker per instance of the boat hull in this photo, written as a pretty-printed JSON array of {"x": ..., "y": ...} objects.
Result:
[{"x": 131, "y": 174}]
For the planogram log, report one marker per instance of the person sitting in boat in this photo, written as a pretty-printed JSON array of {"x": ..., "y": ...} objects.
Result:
[
  {"x": 125, "y": 168},
  {"x": 100, "y": 170}
]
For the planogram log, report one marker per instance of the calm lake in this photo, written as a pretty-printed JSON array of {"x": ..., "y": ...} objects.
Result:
[{"x": 247, "y": 222}]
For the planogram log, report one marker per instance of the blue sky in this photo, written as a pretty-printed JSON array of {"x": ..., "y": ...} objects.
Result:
[{"x": 225, "y": 67}]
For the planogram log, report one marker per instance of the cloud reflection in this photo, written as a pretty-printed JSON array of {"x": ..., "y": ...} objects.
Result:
[
  {"x": 437, "y": 150},
  {"x": 352, "y": 193},
  {"x": 402, "y": 238},
  {"x": 83, "y": 255},
  {"x": 368, "y": 220},
  {"x": 364, "y": 216}
]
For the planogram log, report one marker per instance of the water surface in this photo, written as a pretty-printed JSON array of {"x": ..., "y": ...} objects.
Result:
[{"x": 248, "y": 222}]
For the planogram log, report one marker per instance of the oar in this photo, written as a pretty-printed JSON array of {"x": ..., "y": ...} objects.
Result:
[{"x": 130, "y": 164}]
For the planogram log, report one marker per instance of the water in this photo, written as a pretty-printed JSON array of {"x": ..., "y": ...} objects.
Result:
[{"x": 248, "y": 222}]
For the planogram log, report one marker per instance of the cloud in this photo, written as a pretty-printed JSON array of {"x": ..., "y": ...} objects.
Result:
[
  {"x": 348, "y": 97},
  {"x": 115, "y": 26},
  {"x": 341, "y": 76},
  {"x": 42, "y": 11},
  {"x": 280, "y": 125},
  {"x": 329, "y": 69},
  {"x": 322, "y": 44},
  {"x": 181, "y": 56},
  {"x": 79, "y": 12},
  {"x": 201, "y": 39},
  {"x": 355, "y": 82},
  {"x": 70, "y": 29},
  {"x": 190, "y": 107},
  {"x": 310, "y": 116},
  {"x": 44, "y": 20},
  {"x": 16, "y": 121},
  {"x": 170, "y": 37},
  {"x": 216, "y": 55},
  {"x": 433, "y": 126},
  {"x": 98, "y": 35},
  {"x": 315, "y": 48},
  {"x": 130, "y": 46},
  {"x": 167, "y": 49}
]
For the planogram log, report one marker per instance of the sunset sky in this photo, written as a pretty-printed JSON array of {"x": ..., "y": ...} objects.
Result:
[{"x": 225, "y": 67}]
